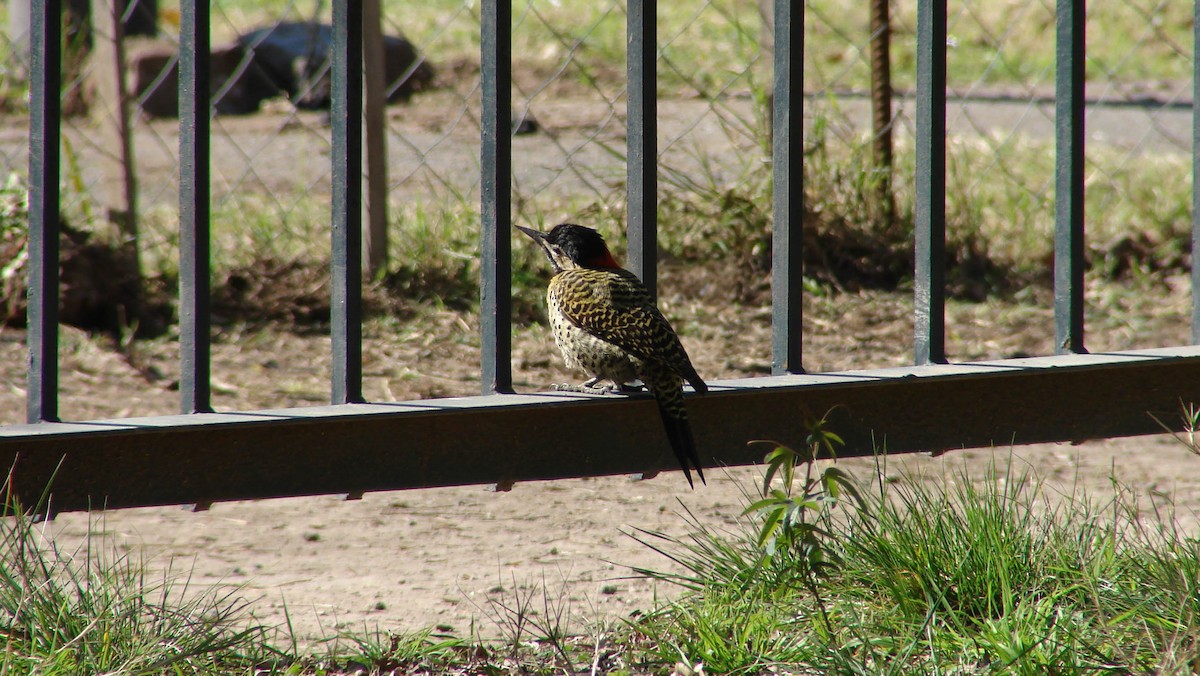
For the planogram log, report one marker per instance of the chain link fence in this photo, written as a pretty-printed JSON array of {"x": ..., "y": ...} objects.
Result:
[{"x": 270, "y": 149}]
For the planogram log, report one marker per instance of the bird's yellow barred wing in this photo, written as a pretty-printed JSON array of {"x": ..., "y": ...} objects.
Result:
[{"x": 612, "y": 304}]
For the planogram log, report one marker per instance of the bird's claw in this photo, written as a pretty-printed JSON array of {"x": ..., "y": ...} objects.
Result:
[
  {"x": 590, "y": 388},
  {"x": 585, "y": 388}
]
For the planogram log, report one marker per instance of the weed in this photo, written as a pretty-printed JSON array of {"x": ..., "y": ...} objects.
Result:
[
  {"x": 991, "y": 573},
  {"x": 96, "y": 612}
]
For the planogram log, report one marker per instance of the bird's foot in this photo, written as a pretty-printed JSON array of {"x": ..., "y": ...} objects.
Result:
[
  {"x": 584, "y": 388},
  {"x": 590, "y": 387}
]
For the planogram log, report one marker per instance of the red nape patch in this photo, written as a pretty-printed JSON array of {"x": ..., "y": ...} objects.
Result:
[{"x": 604, "y": 260}]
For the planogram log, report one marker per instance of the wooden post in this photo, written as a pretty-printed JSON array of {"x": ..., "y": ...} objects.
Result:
[
  {"x": 111, "y": 114},
  {"x": 18, "y": 36},
  {"x": 766, "y": 47},
  {"x": 141, "y": 17},
  {"x": 881, "y": 111},
  {"x": 375, "y": 244}
]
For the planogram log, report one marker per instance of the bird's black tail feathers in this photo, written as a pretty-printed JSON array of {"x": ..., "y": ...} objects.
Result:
[
  {"x": 694, "y": 379},
  {"x": 679, "y": 433}
]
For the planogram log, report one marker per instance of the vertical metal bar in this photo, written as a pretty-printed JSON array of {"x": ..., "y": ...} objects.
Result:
[
  {"x": 495, "y": 284},
  {"x": 1195, "y": 173},
  {"x": 346, "y": 286},
  {"x": 641, "y": 164},
  {"x": 929, "y": 302},
  {"x": 194, "y": 133},
  {"x": 1069, "y": 146},
  {"x": 787, "y": 288},
  {"x": 45, "y": 117}
]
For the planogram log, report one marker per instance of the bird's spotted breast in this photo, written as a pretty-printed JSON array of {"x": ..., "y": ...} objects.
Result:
[{"x": 586, "y": 352}]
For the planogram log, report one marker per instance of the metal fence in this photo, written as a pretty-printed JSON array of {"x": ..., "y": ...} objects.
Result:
[
  {"x": 351, "y": 446},
  {"x": 565, "y": 79}
]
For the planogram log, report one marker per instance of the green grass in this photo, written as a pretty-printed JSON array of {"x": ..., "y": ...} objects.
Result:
[
  {"x": 95, "y": 611},
  {"x": 707, "y": 44},
  {"x": 992, "y": 574},
  {"x": 969, "y": 574}
]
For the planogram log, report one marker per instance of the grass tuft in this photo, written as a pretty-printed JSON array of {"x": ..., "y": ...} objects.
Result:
[
  {"x": 992, "y": 573},
  {"x": 97, "y": 612}
]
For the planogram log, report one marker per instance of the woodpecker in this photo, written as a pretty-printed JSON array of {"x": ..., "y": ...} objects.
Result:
[{"x": 606, "y": 325}]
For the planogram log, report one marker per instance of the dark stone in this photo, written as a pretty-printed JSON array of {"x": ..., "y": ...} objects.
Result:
[
  {"x": 287, "y": 59},
  {"x": 295, "y": 57},
  {"x": 156, "y": 80},
  {"x": 526, "y": 124}
]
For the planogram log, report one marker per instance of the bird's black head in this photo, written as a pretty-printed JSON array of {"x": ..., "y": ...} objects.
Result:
[
  {"x": 570, "y": 246},
  {"x": 584, "y": 246}
]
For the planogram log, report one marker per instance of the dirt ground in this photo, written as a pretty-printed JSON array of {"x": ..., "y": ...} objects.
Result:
[{"x": 456, "y": 558}]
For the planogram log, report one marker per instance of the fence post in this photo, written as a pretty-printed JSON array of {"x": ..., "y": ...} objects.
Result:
[
  {"x": 346, "y": 287},
  {"x": 495, "y": 283},
  {"x": 1068, "y": 190},
  {"x": 642, "y": 141},
  {"x": 45, "y": 120},
  {"x": 881, "y": 110},
  {"x": 787, "y": 152},
  {"x": 929, "y": 302},
  {"x": 1195, "y": 173},
  {"x": 375, "y": 235},
  {"x": 195, "y": 323},
  {"x": 112, "y": 115}
]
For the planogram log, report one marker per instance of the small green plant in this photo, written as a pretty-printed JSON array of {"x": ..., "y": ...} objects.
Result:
[
  {"x": 790, "y": 512},
  {"x": 535, "y": 622},
  {"x": 795, "y": 516}
]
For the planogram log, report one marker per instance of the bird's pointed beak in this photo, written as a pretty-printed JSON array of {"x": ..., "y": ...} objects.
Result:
[
  {"x": 537, "y": 236},
  {"x": 540, "y": 238}
]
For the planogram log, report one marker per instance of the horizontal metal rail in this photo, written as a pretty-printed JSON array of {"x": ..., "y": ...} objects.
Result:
[{"x": 503, "y": 439}]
